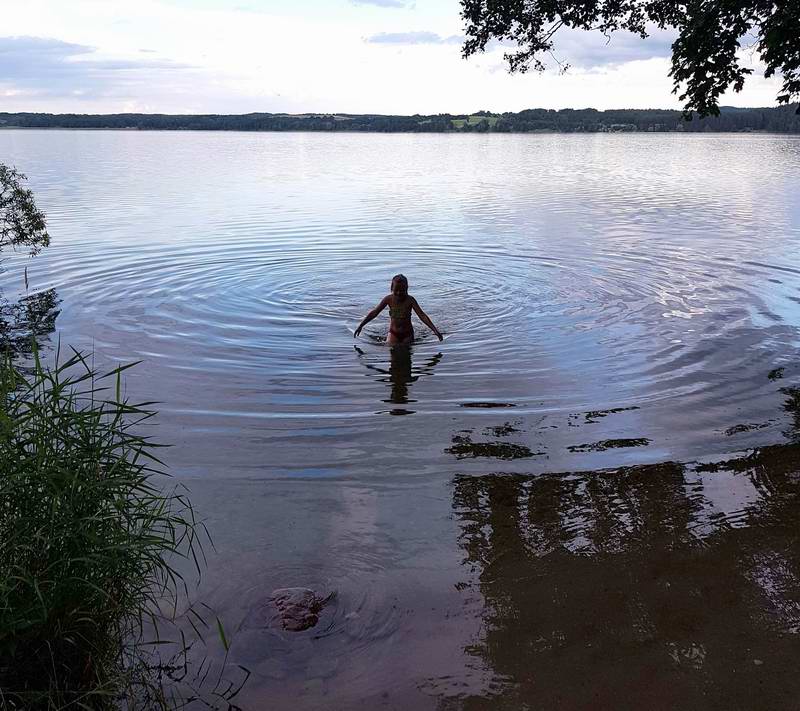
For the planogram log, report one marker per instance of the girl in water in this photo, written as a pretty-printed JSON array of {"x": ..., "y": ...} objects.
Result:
[{"x": 400, "y": 303}]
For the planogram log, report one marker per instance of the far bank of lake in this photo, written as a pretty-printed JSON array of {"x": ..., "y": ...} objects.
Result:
[{"x": 776, "y": 119}]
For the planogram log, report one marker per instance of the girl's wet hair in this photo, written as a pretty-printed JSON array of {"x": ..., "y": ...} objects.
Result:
[{"x": 401, "y": 278}]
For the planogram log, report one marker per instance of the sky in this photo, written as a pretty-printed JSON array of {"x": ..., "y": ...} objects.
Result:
[{"x": 337, "y": 56}]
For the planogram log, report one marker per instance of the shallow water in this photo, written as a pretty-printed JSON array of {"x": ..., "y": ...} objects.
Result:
[{"x": 607, "y": 301}]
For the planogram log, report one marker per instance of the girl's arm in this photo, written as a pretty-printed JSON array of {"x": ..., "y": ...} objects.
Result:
[
  {"x": 371, "y": 315},
  {"x": 424, "y": 318}
]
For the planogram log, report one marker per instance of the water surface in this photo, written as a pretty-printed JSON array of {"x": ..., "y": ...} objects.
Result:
[{"x": 499, "y": 514}]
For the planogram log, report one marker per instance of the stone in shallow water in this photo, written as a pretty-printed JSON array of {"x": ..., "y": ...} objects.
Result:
[{"x": 298, "y": 608}]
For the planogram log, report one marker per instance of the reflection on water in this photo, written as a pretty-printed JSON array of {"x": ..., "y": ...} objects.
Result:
[
  {"x": 463, "y": 446},
  {"x": 605, "y": 444},
  {"x": 661, "y": 586},
  {"x": 614, "y": 305},
  {"x": 27, "y": 321},
  {"x": 573, "y": 274},
  {"x": 399, "y": 375},
  {"x": 675, "y": 585},
  {"x": 792, "y": 407}
]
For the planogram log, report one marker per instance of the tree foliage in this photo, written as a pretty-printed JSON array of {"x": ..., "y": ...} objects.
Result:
[
  {"x": 22, "y": 224},
  {"x": 705, "y": 59}
]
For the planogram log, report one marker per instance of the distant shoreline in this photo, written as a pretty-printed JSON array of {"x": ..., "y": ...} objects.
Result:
[
  {"x": 781, "y": 120},
  {"x": 546, "y": 132}
]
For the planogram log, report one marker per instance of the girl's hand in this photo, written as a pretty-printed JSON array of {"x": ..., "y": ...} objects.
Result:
[
  {"x": 439, "y": 336},
  {"x": 357, "y": 332}
]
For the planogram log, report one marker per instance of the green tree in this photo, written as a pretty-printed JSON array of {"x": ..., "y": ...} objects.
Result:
[
  {"x": 704, "y": 55},
  {"x": 22, "y": 224}
]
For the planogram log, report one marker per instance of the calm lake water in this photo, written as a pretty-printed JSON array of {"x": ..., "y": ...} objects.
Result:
[{"x": 522, "y": 516}]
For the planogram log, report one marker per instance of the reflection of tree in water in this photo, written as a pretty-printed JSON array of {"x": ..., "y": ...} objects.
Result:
[
  {"x": 631, "y": 589},
  {"x": 400, "y": 375},
  {"x": 792, "y": 406},
  {"x": 31, "y": 318}
]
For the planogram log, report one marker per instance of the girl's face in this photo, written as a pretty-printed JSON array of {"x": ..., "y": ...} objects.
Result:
[{"x": 399, "y": 287}]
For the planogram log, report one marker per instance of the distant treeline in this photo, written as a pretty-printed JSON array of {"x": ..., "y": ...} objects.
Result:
[{"x": 782, "y": 119}]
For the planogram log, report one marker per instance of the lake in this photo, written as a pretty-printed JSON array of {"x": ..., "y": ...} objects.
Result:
[{"x": 530, "y": 514}]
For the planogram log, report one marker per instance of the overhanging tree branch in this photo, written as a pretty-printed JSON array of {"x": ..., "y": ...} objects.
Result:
[
  {"x": 22, "y": 224},
  {"x": 705, "y": 60}
]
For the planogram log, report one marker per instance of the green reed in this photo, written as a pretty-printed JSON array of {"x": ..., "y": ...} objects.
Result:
[{"x": 89, "y": 539}]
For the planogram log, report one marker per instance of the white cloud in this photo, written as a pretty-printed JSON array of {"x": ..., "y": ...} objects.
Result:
[
  {"x": 50, "y": 67},
  {"x": 587, "y": 49},
  {"x": 382, "y": 3},
  {"x": 421, "y": 37}
]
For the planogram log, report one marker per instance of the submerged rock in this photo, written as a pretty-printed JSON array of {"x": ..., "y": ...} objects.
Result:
[{"x": 298, "y": 608}]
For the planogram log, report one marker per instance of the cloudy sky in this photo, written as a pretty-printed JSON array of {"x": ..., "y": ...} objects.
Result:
[{"x": 353, "y": 56}]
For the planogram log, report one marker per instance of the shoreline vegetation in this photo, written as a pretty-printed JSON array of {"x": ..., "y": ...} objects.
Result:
[
  {"x": 89, "y": 540},
  {"x": 94, "y": 539},
  {"x": 780, "y": 119}
]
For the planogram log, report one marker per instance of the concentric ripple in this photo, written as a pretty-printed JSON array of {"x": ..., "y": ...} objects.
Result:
[{"x": 568, "y": 273}]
